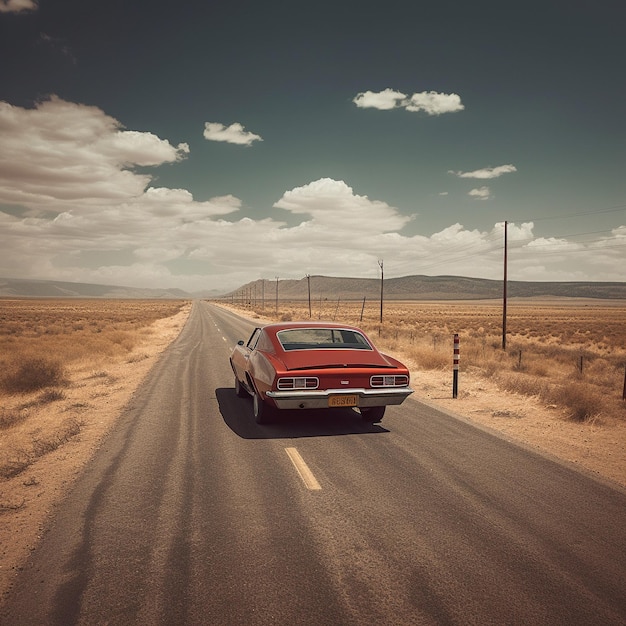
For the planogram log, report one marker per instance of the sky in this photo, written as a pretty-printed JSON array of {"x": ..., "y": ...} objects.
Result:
[{"x": 203, "y": 145}]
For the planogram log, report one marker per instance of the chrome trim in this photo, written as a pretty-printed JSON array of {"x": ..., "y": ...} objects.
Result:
[{"x": 301, "y": 399}]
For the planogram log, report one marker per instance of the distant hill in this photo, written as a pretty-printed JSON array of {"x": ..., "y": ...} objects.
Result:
[
  {"x": 24, "y": 288},
  {"x": 328, "y": 287},
  {"x": 424, "y": 288}
]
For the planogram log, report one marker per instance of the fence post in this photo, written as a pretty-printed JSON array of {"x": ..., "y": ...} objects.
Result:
[
  {"x": 624, "y": 392},
  {"x": 455, "y": 367}
]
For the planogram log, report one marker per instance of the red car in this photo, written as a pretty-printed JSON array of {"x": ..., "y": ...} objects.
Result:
[{"x": 308, "y": 365}]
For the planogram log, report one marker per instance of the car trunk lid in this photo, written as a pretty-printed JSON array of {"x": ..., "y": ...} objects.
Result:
[{"x": 333, "y": 358}]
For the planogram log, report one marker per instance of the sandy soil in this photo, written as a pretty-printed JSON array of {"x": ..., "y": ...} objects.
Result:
[
  {"x": 597, "y": 447},
  {"x": 27, "y": 500},
  {"x": 96, "y": 398}
]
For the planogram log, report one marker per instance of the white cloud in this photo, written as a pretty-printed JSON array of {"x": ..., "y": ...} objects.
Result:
[
  {"x": 131, "y": 147},
  {"x": 60, "y": 154},
  {"x": 234, "y": 133},
  {"x": 73, "y": 208},
  {"x": 333, "y": 204},
  {"x": 434, "y": 103},
  {"x": 430, "y": 102},
  {"x": 15, "y": 6},
  {"x": 383, "y": 100},
  {"x": 486, "y": 172},
  {"x": 481, "y": 193}
]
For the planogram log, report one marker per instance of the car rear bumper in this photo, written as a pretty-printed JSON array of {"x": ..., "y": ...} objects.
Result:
[{"x": 321, "y": 399}]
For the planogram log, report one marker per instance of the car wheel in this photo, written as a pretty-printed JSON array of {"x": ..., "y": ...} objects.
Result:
[
  {"x": 240, "y": 390},
  {"x": 263, "y": 413},
  {"x": 373, "y": 414}
]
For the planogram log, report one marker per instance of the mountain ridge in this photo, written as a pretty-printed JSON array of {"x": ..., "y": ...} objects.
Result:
[
  {"x": 420, "y": 287},
  {"x": 416, "y": 287},
  {"x": 30, "y": 288}
]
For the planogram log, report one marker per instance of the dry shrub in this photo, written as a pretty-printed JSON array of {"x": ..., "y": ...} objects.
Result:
[
  {"x": 11, "y": 417},
  {"x": 33, "y": 373},
  {"x": 70, "y": 428},
  {"x": 16, "y": 465},
  {"x": 40, "y": 446},
  {"x": 522, "y": 383},
  {"x": 602, "y": 372},
  {"x": 50, "y": 395},
  {"x": 427, "y": 358},
  {"x": 100, "y": 374},
  {"x": 492, "y": 365},
  {"x": 582, "y": 400},
  {"x": 538, "y": 367},
  {"x": 122, "y": 338}
]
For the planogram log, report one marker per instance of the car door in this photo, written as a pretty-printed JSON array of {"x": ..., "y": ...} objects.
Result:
[{"x": 241, "y": 355}]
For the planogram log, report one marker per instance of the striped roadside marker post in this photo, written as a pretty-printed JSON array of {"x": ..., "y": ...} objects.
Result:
[{"x": 455, "y": 367}]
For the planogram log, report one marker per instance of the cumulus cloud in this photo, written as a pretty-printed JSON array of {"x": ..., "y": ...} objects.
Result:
[
  {"x": 434, "y": 103},
  {"x": 61, "y": 154},
  {"x": 481, "y": 193},
  {"x": 383, "y": 100},
  {"x": 235, "y": 133},
  {"x": 333, "y": 204},
  {"x": 72, "y": 207},
  {"x": 131, "y": 147},
  {"x": 16, "y": 6},
  {"x": 430, "y": 102},
  {"x": 486, "y": 172}
]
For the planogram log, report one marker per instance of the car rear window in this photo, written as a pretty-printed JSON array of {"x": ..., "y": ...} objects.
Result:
[{"x": 318, "y": 338}]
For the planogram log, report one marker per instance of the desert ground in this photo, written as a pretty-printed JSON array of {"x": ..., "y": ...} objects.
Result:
[{"x": 47, "y": 438}]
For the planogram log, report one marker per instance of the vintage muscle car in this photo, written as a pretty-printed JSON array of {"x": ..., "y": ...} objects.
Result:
[{"x": 314, "y": 365}]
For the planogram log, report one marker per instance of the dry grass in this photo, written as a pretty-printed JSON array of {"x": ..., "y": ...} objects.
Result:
[
  {"x": 43, "y": 344},
  {"x": 38, "y": 446},
  {"x": 72, "y": 330},
  {"x": 570, "y": 354}
]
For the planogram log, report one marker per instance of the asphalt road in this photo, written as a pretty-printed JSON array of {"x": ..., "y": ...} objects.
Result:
[{"x": 193, "y": 514}]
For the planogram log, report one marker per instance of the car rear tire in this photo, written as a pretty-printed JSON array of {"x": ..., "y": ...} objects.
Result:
[
  {"x": 373, "y": 414},
  {"x": 263, "y": 413},
  {"x": 240, "y": 390}
]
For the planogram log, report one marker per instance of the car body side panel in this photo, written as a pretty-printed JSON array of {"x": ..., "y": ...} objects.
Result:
[{"x": 262, "y": 370}]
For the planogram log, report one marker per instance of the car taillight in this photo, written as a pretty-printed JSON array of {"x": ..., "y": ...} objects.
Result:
[
  {"x": 397, "y": 380},
  {"x": 298, "y": 382}
]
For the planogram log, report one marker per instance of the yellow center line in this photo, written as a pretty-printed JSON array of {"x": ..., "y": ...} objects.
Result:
[{"x": 303, "y": 469}]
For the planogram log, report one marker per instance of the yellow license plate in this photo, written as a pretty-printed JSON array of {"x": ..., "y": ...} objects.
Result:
[{"x": 343, "y": 401}]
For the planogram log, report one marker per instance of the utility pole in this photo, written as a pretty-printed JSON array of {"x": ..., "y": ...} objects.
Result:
[
  {"x": 382, "y": 278},
  {"x": 277, "y": 295},
  {"x": 308, "y": 280},
  {"x": 504, "y": 293}
]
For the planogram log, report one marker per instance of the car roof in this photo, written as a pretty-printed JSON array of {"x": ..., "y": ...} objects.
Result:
[{"x": 278, "y": 326}]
